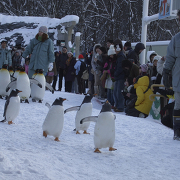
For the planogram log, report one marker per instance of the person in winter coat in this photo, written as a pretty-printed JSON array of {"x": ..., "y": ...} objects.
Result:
[
  {"x": 5, "y": 54},
  {"x": 16, "y": 61},
  {"x": 70, "y": 72},
  {"x": 127, "y": 47},
  {"x": 109, "y": 69},
  {"x": 42, "y": 50},
  {"x": 79, "y": 67},
  {"x": 95, "y": 69},
  {"x": 119, "y": 77},
  {"x": 134, "y": 55},
  {"x": 130, "y": 69},
  {"x": 102, "y": 58},
  {"x": 62, "y": 65},
  {"x": 172, "y": 63},
  {"x": 150, "y": 57},
  {"x": 142, "y": 105}
]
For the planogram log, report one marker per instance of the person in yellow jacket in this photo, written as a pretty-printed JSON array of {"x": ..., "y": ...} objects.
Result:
[{"x": 141, "y": 105}]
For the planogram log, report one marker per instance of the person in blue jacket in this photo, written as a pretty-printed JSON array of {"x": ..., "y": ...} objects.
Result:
[
  {"x": 5, "y": 54},
  {"x": 42, "y": 49}
]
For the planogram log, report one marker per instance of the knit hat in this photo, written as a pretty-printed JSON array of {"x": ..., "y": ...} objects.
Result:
[
  {"x": 43, "y": 29},
  {"x": 156, "y": 58},
  {"x": 80, "y": 56},
  {"x": 70, "y": 53},
  {"x": 111, "y": 50},
  {"x": 110, "y": 41},
  {"x": 144, "y": 67}
]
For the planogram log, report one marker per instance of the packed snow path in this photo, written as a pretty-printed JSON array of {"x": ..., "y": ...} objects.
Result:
[{"x": 145, "y": 149}]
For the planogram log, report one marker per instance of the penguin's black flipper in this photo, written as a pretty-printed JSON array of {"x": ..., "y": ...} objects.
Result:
[
  {"x": 5, "y": 107},
  {"x": 90, "y": 118},
  {"x": 34, "y": 81},
  {"x": 4, "y": 120},
  {"x": 75, "y": 108},
  {"x": 50, "y": 87},
  {"x": 114, "y": 117},
  {"x": 11, "y": 85},
  {"x": 13, "y": 78}
]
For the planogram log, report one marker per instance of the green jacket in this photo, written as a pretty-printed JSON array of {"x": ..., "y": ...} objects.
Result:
[
  {"x": 5, "y": 57},
  {"x": 42, "y": 54}
]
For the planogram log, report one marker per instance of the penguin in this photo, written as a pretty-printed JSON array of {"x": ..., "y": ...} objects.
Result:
[
  {"x": 37, "y": 93},
  {"x": 84, "y": 110},
  {"x": 4, "y": 81},
  {"x": 23, "y": 82},
  {"x": 12, "y": 106},
  {"x": 104, "y": 131},
  {"x": 54, "y": 121}
]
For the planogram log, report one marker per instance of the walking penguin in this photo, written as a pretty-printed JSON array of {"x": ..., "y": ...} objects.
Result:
[
  {"x": 54, "y": 121},
  {"x": 12, "y": 106},
  {"x": 84, "y": 110},
  {"x": 104, "y": 131}
]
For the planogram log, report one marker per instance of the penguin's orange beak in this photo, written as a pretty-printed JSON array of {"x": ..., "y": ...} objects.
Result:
[
  {"x": 20, "y": 91},
  {"x": 64, "y": 99}
]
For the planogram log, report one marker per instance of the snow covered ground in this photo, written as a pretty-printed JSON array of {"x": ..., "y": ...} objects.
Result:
[{"x": 145, "y": 149}]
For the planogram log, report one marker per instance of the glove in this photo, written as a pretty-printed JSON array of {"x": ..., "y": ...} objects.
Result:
[
  {"x": 50, "y": 66},
  {"x": 153, "y": 78},
  {"x": 166, "y": 76}
]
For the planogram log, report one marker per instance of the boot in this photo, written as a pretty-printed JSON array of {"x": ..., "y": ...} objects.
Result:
[{"x": 176, "y": 124}]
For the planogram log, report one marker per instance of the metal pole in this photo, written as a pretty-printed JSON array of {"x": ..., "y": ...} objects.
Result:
[{"x": 144, "y": 30}]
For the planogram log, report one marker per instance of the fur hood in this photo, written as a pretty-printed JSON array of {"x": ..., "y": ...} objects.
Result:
[{"x": 44, "y": 37}]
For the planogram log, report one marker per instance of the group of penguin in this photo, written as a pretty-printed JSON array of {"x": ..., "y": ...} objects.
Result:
[{"x": 22, "y": 87}]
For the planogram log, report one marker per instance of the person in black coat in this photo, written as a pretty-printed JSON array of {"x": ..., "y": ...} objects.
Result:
[
  {"x": 62, "y": 65},
  {"x": 57, "y": 67},
  {"x": 119, "y": 77},
  {"x": 69, "y": 72},
  {"x": 134, "y": 54}
]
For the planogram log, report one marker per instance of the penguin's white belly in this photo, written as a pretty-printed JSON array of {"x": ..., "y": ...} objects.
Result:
[
  {"x": 13, "y": 108},
  {"x": 53, "y": 124},
  {"x": 37, "y": 93},
  {"x": 104, "y": 131},
  {"x": 23, "y": 84},
  {"x": 4, "y": 81},
  {"x": 85, "y": 111}
]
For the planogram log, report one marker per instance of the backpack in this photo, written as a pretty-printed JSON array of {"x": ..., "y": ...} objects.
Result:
[{"x": 82, "y": 68}]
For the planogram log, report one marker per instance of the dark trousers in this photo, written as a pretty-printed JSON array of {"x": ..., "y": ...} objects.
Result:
[
  {"x": 54, "y": 82},
  {"x": 81, "y": 85},
  {"x": 134, "y": 112},
  {"x": 60, "y": 78},
  {"x": 68, "y": 86}
]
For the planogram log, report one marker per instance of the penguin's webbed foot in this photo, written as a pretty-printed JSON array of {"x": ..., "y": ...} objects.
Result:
[
  {"x": 26, "y": 101},
  {"x": 21, "y": 100},
  {"x": 40, "y": 101},
  {"x": 85, "y": 132},
  {"x": 1, "y": 97},
  {"x": 10, "y": 122},
  {"x": 56, "y": 139},
  {"x": 44, "y": 134},
  {"x": 112, "y": 149},
  {"x": 33, "y": 100},
  {"x": 97, "y": 150},
  {"x": 77, "y": 132},
  {"x": 6, "y": 97}
]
